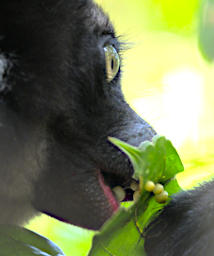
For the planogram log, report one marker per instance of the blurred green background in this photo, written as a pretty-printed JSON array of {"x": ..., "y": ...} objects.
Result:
[{"x": 168, "y": 82}]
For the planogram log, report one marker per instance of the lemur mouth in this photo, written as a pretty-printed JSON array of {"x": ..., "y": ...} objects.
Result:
[{"x": 117, "y": 188}]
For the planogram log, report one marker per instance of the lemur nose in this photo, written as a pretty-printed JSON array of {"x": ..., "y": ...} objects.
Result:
[{"x": 138, "y": 132}]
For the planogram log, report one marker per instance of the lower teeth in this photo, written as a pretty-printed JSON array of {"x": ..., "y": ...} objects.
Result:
[{"x": 120, "y": 193}]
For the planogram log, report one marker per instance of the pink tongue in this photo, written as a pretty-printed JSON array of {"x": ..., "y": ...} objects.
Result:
[{"x": 108, "y": 193}]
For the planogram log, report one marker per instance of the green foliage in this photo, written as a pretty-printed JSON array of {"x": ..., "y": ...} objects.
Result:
[
  {"x": 173, "y": 15},
  {"x": 22, "y": 242},
  {"x": 72, "y": 239},
  {"x": 177, "y": 14},
  {"x": 123, "y": 234},
  {"x": 157, "y": 160},
  {"x": 206, "y": 29}
]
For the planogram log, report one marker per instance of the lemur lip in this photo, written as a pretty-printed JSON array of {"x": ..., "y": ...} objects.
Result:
[
  {"x": 108, "y": 193},
  {"x": 118, "y": 192}
]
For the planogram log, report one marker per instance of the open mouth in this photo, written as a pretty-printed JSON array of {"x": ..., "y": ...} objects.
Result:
[{"x": 117, "y": 188}]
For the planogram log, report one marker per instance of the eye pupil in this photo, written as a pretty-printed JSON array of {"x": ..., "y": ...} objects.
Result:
[{"x": 112, "y": 64}]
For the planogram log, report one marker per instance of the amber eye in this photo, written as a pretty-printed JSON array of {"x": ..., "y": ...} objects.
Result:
[{"x": 112, "y": 62}]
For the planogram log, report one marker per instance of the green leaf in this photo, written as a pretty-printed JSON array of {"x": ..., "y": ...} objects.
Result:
[
  {"x": 17, "y": 241},
  {"x": 157, "y": 160},
  {"x": 133, "y": 153},
  {"x": 123, "y": 234}
]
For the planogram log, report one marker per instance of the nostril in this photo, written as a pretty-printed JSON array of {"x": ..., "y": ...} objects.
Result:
[{"x": 138, "y": 133}]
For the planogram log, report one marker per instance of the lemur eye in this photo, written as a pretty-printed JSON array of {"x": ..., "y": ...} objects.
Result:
[{"x": 112, "y": 62}]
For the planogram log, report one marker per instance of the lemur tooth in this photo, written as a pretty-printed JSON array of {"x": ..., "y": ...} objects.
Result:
[{"x": 119, "y": 192}]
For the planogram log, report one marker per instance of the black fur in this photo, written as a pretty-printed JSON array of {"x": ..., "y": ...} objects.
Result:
[
  {"x": 185, "y": 227},
  {"x": 57, "y": 110}
]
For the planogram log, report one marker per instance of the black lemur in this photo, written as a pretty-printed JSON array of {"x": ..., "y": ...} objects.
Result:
[{"x": 60, "y": 99}]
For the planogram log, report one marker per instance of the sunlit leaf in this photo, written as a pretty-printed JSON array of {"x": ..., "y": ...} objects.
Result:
[
  {"x": 123, "y": 234},
  {"x": 17, "y": 241}
]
